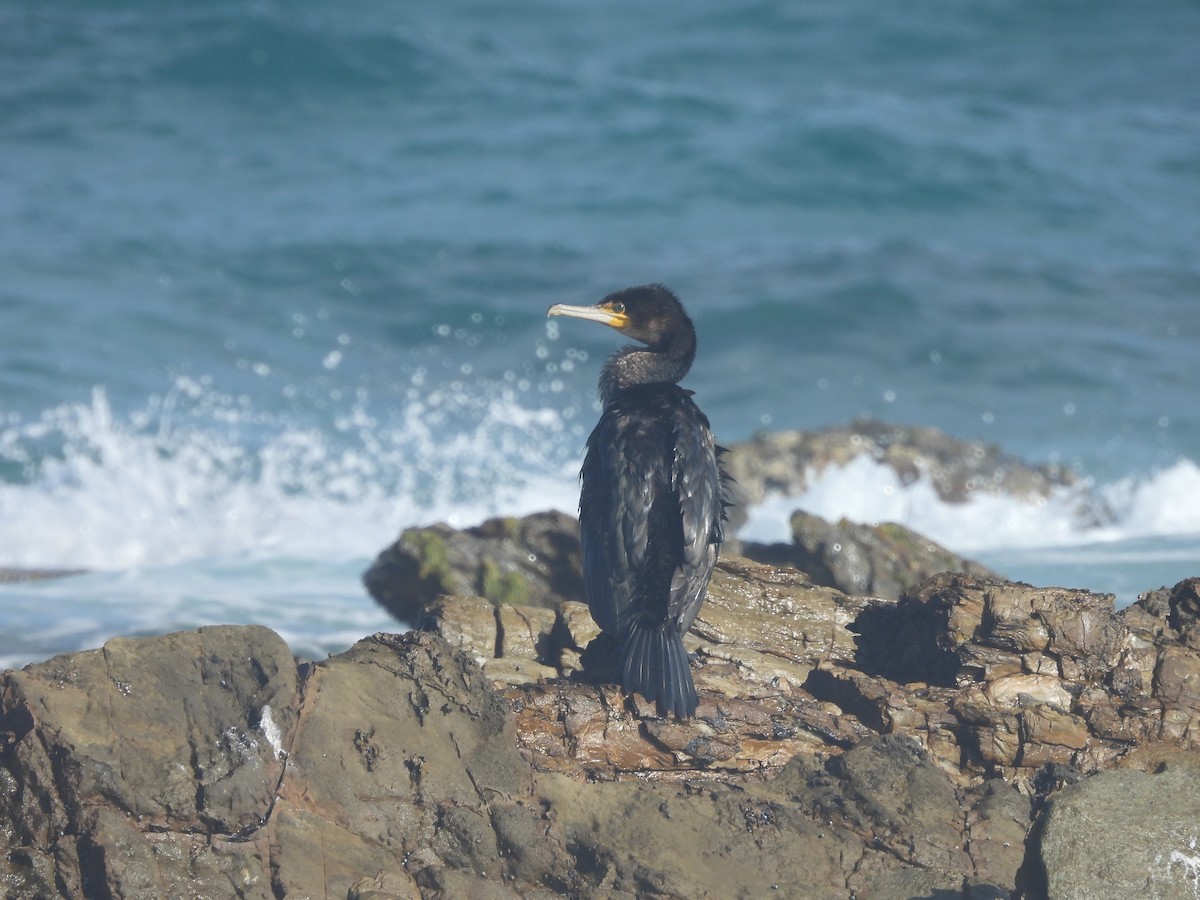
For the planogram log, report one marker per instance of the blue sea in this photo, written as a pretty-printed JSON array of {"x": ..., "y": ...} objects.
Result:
[{"x": 275, "y": 277}]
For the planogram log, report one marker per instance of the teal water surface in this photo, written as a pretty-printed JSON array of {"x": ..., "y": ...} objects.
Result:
[{"x": 276, "y": 274}]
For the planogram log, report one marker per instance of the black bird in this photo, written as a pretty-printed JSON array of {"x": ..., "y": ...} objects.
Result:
[{"x": 652, "y": 507}]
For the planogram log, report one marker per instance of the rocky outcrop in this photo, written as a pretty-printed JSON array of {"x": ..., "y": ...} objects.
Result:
[
  {"x": 757, "y": 640},
  {"x": 870, "y": 560},
  {"x": 993, "y": 679},
  {"x": 1021, "y": 678},
  {"x": 1006, "y": 691},
  {"x": 535, "y": 561},
  {"x": 205, "y": 764},
  {"x": 1123, "y": 833},
  {"x": 141, "y": 768},
  {"x": 843, "y": 747},
  {"x": 783, "y": 462},
  {"x": 973, "y": 738},
  {"x": 532, "y": 561}
]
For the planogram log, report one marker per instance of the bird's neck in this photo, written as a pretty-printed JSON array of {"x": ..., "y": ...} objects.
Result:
[{"x": 632, "y": 366}]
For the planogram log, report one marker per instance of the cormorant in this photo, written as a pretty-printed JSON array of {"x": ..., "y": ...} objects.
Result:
[{"x": 652, "y": 505}]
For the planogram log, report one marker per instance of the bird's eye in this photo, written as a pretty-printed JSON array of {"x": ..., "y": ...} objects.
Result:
[{"x": 618, "y": 307}]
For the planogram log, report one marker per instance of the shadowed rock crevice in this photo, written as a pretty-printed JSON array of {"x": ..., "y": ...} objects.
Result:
[{"x": 901, "y": 642}]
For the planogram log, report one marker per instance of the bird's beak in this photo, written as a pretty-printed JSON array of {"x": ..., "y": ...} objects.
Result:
[{"x": 601, "y": 314}]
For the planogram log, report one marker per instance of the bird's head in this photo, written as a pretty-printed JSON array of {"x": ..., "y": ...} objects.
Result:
[{"x": 650, "y": 313}]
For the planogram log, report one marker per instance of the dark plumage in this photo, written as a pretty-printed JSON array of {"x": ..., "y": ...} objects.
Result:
[{"x": 652, "y": 506}]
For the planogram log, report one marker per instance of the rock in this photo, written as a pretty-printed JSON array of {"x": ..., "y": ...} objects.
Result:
[
  {"x": 395, "y": 770},
  {"x": 1184, "y": 616},
  {"x": 467, "y": 623},
  {"x": 1036, "y": 676},
  {"x": 1121, "y": 833},
  {"x": 399, "y": 750},
  {"x": 886, "y": 789},
  {"x": 574, "y": 629},
  {"x": 869, "y": 560},
  {"x": 526, "y": 631},
  {"x": 997, "y": 820},
  {"x": 991, "y": 678},
  {"x": 200, "y": 764},
  {"x": 534, "y": 561},
  {"x": 757, "y": 639},
  {"x": 384, "y": 886},
  {"x": 145, "y": 766},
  {"x": 783, "y": 462},
  {"x": 626, "y": 839},
  {"x": 844, "y": 746}
]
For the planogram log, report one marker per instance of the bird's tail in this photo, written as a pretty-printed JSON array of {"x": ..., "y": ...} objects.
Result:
[{"x": 656, "y": 666}]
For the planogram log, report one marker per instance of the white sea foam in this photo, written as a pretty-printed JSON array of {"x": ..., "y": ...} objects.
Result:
[
  {"x": 181, "y": 482},
  {"x": 161, "y": 489},
  {"x": 1165, "y": 503},
  {"x": 198, "y": 511}
]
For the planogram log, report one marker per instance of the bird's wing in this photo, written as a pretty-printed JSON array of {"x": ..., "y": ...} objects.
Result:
[
  {"x": 696, "y": 477},
  {"x": 614, "y": 516}
]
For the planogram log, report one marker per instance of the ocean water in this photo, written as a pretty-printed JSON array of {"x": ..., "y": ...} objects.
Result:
[{"x": 275, "y": 277}]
